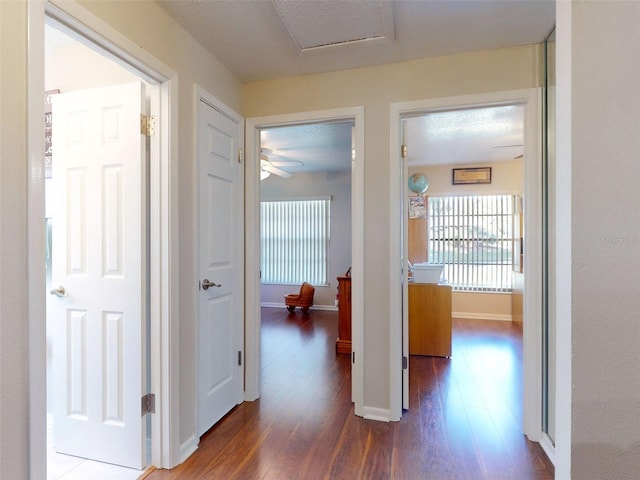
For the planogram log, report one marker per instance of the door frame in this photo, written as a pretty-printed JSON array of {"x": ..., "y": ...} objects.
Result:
[
  {"x": 163, "y": 226},
  {"x": 201, "y": 95},
  {"x": 531, "y": 99},
  {"x": 252, "y": 244}
]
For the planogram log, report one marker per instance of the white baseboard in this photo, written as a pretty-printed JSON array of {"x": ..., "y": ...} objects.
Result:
[
  {"x": 547, "y": 445},
  {"x": 330, "y": 308},
  {"x": 187, "y": 448},
  {"x": 482, "y": 316},
  {"x": 378, "y": 414}
]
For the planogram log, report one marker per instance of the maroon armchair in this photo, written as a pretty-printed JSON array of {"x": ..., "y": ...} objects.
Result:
[{"x": 304, "y": 299}]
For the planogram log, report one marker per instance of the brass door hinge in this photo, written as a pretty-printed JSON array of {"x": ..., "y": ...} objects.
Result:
[
  {"x": 403, "y": 151},
  {"x": 147, "y": 125},
  {"x": 148, "y": 403}
]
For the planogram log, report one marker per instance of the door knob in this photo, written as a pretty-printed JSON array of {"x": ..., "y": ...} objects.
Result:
[
  {"x": 59, "y": 292},
  {"x": 206, "y": 284}
]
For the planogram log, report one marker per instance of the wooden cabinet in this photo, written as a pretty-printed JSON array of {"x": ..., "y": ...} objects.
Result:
[
  {"x": 417, "y": 240},
  {"x": 343, "y": 343},
  {"x": 430, "y": 319}
]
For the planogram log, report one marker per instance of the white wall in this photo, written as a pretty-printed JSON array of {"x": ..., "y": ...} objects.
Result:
[
  {"x": 506, "y": 179},
  {"x": 338, "y": 186},
  {"x": 601, "y": 323}
]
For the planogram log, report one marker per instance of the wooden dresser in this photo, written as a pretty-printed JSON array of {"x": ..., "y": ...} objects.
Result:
[
  {"x": 429, "y": 319},
  {"x": 343, "y": 343}
]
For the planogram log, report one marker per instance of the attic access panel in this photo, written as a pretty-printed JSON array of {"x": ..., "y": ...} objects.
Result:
[{"x": 334, "y": 23}]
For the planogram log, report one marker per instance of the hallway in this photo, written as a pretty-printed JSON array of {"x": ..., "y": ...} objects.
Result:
[{"x": 463, "y": 423}]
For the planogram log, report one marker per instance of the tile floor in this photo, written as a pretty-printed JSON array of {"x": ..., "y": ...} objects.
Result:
[{"x": 66, "y": 467}]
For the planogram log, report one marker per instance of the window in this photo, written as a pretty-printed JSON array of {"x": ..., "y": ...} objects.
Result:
[
  {"x": 294, "y": 241},
  {"x": 473, "y": 237}
]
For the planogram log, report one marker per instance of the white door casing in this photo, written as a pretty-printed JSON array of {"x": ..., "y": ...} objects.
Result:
[
  {"x": 220, "y": 329},
  {"x": 404, "y": 175},
  {"x": 98, "y": 258}
]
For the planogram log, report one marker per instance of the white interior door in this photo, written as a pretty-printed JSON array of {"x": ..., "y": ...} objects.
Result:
[
  {"x": 99, "y": 263},
  {"x": 220, "y": 267}
]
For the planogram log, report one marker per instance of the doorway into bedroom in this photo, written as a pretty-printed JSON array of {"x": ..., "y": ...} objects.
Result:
[
  {"x": 305, "y": 237},
  {"x": 474, "y": 176},
  {"x": 463, "y": 182}
]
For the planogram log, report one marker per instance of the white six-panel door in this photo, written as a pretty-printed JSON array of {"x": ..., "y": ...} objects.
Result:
[
  {"x": 99, "y": 263},
  {"x": 220, "y": 267}
]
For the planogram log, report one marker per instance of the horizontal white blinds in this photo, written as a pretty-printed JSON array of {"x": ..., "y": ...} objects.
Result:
[
  {"x": 472, "y": 236},
  {"x": 294, "y": 240}
]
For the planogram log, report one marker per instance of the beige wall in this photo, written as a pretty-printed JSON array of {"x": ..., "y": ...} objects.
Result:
[
  {"x": 506, "y": 179},
  {"x": 14, "y": 310},
  {"x": 338, "y": 186},
  {"x": 604, "y": 321},
  {"x": 375, "y": 88}
]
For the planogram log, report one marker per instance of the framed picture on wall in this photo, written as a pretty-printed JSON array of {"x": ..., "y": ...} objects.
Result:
[{"x": 471, "y": 176}]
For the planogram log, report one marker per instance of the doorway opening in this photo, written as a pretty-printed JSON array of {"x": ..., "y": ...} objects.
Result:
[
  {"x": 305, "y": 170},
  {"x": 299, "y": 157},
  {"x": 528, "y": 102},
  {"x": 70, "y": 382},
  {"x": 465, "y": 181},
  {"x": 75, "y": 23},
  {"x": 305, "y": 203}
]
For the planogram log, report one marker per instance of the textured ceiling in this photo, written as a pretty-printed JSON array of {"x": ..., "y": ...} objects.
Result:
[
  {"x": 320, "y": 146},
  {"x": 250, "y": 37},
  {"x": 263, "y": 39},
  {"x": 334, "y": 23},
  {"x": 459, "y": 137},
  {"x": 462, "y": 137}
]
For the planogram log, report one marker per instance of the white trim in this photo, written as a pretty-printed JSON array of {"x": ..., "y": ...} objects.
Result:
[
  {"x": 532, "y": 301},
  {"x": 377, "y": 414},
  {"x": 500, "y": 317},
  {"x": 252, "y": 191},
  {"x": 563, "y": 238},
  {"x": 163, "y": 223},
  {"x": 532, "y": 344},
  {"x": 549, "y": 448},
  {"x": 187, "y": 448}
]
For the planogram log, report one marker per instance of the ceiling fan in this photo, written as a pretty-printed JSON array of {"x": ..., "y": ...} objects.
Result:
[
  {"x": 511, "y": 146},
  {"x": 268, "y": 166}
]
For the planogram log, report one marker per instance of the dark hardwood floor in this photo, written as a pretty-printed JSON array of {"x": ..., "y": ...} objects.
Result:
[{"x": 464, "y": 420}]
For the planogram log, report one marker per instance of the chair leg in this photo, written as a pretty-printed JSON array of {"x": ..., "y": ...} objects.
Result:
[
  {"x": 305, "y": 309},
  {"x": 291, "y": 308}
]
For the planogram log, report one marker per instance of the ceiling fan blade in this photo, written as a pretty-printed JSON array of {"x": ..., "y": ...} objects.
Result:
[
  {"x": 276, "y": 171},
  {"x": 286, "y": 163}
]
